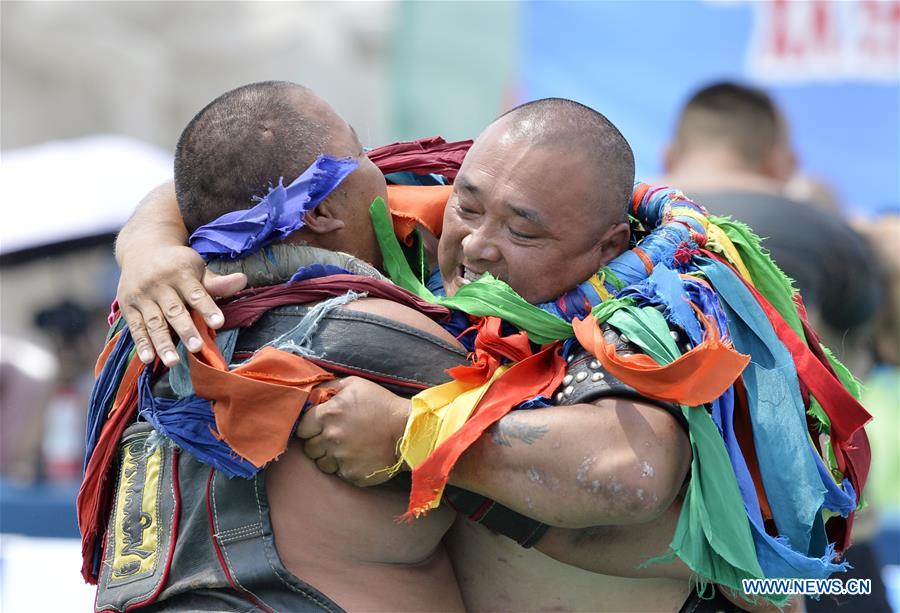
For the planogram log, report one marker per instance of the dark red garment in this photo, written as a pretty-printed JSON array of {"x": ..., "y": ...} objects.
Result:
[
  {"x": 98, "y": 485},
  {"x": 245, "y": 307},
  {"x": 421, "y": 156}
]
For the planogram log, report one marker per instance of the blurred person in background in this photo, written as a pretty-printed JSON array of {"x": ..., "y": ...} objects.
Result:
[
  {"x": 732, "y": 152},
  {"x": 27, "y": 378}
]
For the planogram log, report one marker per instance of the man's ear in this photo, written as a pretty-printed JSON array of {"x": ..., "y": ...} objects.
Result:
[
  {"x": 668, "y": 158},
  {"x": 614, "y": 241},
  {"x": 323, "y": 220},
  {"x": 780, "y": 164}
]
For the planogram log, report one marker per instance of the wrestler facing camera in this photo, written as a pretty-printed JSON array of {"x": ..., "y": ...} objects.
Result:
[{"x": 537, "y": 189}]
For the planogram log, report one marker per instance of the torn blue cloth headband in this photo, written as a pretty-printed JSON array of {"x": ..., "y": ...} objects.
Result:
[{"x": 240, "y": 233}]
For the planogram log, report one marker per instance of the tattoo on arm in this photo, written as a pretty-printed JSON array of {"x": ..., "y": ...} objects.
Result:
[{"x": 505, "y": 431}]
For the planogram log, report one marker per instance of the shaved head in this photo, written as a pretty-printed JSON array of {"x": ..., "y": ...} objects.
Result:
[
  {"x": 579, "y": 130},
  {"x": 241, "y": 143},
  {"x": 540, "y": 201}
]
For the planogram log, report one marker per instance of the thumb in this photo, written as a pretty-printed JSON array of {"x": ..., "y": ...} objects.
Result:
[{"x": 223, "y": 286}]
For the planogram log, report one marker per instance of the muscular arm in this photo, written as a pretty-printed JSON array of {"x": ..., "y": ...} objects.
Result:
[
  {"x": 621, "y": 550},
  {"x": 611, "y": 462},
  {"x": 161, "y": 274}
]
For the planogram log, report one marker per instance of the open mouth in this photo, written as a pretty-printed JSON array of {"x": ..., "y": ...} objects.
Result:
[{"x": 467, "y": 275}]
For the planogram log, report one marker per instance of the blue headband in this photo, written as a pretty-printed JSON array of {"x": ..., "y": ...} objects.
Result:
[{"x": 239, "y": 233}]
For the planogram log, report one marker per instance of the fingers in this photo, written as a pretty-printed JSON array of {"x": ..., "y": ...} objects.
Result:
[
  {"x": 139, "y": 333},
  {"x": 196, "y": 297},
  {"x": 310, "y": 425},
  {"x": 313, "y": 421},
  {"x": 316, "y": 449},
  {"x": 223, "y": 286},
  {"x": 179, "y": 317},
  {"x": 157, "y": 328},
  {"x": 327, "y": 464},
  {"x": 337, "y": 384}
]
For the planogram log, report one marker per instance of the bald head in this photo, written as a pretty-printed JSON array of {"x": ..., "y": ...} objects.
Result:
[
  {"x": 540, "y": 201},
  {"x": 741, "y": 120},
  {"x": 578, "y": 130},
  {"x": 242, "y": 142}
]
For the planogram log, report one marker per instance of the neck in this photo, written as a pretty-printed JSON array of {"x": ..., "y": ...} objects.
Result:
[
  {"x": 278, "y": 262},
  {"x": 716, "y": 171}
]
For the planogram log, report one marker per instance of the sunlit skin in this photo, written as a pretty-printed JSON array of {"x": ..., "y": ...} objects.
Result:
[
  {"x": 344, "y": 215},
  {"x": 527, "y": 214}
]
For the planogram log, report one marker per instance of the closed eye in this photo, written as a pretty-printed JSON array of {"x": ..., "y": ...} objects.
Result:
[
  {"x": 521, "y": 235},
  {"x": 465, "y": 210}
]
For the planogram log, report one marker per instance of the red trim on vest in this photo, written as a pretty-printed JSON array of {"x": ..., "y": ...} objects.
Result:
[
  {"x": 212, "y": 533},
  {"x": 176, "y": 516}
]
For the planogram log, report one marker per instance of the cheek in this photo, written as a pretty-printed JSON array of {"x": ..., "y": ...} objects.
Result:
[{"x": 452, "y": 230}]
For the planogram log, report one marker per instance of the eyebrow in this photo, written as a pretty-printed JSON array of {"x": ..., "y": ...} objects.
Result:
[
  {"x": 467, "y": 185},
  {"x": 528, "y": 214},
  {"x": 522, "y": 212}
]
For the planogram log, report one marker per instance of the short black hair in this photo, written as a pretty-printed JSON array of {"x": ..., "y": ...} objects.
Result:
[
  {"x": 239, "y": 145},
  {"x": 575, "y": 126},
  {"x": 742, "y": 118}
]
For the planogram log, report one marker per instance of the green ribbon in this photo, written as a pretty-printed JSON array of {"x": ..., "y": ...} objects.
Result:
[{"x": 713, "y": 533}]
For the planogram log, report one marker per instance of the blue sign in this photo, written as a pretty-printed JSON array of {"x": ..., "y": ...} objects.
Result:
[{"x": 832, "y": 67}]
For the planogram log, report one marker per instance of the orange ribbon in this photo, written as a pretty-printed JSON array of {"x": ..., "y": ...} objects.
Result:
[
  {"x": 696, "y": 378},
  {"x": 417, "y": 204},
  {"x": 257, "y": 404}
]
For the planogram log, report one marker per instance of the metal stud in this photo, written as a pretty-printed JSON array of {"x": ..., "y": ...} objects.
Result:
[
  {"x": 570, "y": 358},
  {"x": 581, "y": 376},
  {"x": 673, "y": 334},
  {"x": 559, "y": 398},
  {"x": 594, "y": 365},
  {"x": 567, "y": 379},
  {"x": 596, "y": 376},
  {"x": 568, "y": 391},
  {"x": 623, "y": 338}
]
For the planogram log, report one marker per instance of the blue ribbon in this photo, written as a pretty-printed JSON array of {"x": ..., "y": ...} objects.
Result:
[
  {"x": 240, "y": 233},
  {"x": 776, "y": 410},
  {"x": 315, "y": 271},
  {"x": 104, "y": 391},
  {"x": 190, "y": 423}
]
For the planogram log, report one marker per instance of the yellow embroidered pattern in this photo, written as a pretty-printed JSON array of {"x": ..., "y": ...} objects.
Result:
[{"x": 136, "y": 536}]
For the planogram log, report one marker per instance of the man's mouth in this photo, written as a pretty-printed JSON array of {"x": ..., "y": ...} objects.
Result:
[{"x": 467, "y": 275}]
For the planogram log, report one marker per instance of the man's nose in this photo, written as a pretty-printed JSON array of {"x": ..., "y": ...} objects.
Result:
[{"x": 478, "y": 245}]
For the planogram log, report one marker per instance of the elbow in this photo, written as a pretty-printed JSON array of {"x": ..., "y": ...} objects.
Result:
[
  {"x": 640, "y": 490},
  {"x": 643, "y": 500}
]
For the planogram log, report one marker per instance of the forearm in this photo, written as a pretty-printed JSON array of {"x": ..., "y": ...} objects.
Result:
[
  {"x": 583, "y": 465},
  {"x": 156, "y": 222},
  {"x": 622, "y": 551}
]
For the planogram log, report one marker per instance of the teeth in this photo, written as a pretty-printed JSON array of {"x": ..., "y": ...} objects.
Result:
[{"x": 470, "y": 276}]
